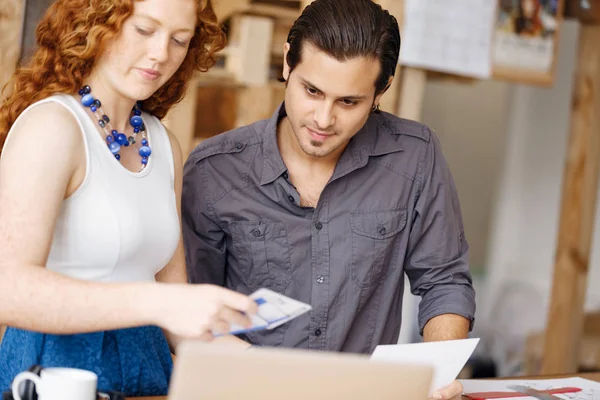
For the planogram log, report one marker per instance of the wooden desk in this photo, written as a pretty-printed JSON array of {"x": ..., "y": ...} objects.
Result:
[{"x": 593, "y": 376}]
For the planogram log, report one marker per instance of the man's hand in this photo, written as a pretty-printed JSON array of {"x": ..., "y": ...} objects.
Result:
[
  {"x": 451, "y": 392},
  {"x": 447, "y": 327}
]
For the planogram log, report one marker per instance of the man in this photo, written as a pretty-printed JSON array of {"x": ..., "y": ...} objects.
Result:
[{"x": 331, "y": 201}]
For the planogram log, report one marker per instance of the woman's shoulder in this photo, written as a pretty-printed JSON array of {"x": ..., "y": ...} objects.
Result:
[
  {"x": 53, "y": 108},
  {"x": 46, "y": 117},
  {"x": 45, "y": 130}
]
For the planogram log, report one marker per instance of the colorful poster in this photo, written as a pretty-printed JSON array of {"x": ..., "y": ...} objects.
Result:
[{"x": 526, "y": 36}]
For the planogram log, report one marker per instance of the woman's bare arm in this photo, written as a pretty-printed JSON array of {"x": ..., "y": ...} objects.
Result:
[{"x": 36, "y": 173}]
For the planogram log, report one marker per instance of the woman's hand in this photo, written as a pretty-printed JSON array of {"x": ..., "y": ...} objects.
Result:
[{"x": 199, "y": 311}]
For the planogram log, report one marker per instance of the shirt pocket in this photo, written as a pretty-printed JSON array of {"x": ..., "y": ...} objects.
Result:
[
  {"x": 374, "y": 244},
  {"x": 264, "y": 254}
]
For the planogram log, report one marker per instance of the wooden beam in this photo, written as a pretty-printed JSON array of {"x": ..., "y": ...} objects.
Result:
[
  {"x": 412, "y": 93},
  {"x": 566, "y": 314},
  {"x": 11, "y": 22}
]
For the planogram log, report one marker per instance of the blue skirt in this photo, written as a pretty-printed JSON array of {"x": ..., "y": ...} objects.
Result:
[{"x": 134, "y": 361}]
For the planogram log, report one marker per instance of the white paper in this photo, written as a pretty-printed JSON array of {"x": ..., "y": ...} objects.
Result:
[
  {"x": 590, "y": 390},
  {"x": 452, "y": 36},
  {"x": 528, "y": 53},
  {"x": 447, "y": 357}
]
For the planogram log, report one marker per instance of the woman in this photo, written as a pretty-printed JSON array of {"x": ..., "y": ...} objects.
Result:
[{"x": 90, "y": 183}]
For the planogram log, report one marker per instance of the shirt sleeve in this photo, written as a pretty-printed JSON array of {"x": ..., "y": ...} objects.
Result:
[
  {"x": 437, "y": 257},
  {"x": 204, "y": 240}
]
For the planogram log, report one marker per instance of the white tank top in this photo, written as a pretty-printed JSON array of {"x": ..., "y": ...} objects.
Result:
[{"x": 118, "y": 226}]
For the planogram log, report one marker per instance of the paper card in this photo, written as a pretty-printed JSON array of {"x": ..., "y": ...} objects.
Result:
[
  {"x": 447, "y": 357},
  {"x": 274, "y": 309}
]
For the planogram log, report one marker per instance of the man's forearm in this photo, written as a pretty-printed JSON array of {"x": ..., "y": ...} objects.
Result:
[{"x": 446, "y": 327}]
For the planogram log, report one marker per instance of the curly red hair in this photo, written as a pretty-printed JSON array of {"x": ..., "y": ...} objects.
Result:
[{"x": 71, "y": 36}]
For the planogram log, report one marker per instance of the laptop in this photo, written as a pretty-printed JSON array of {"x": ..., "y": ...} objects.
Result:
[{"x": 212, "y": 371}]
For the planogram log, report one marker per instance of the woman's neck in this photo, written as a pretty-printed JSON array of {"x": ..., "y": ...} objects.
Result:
[{"x": 116, "y": 106}]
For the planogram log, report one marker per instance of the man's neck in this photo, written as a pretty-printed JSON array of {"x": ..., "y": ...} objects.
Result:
[{"x": 308, "y": 174}]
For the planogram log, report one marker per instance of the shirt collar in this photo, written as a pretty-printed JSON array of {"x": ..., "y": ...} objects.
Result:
[{"x": 273, "y": 165}]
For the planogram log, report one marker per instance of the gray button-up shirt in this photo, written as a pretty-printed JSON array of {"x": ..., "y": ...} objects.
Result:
[{"x": 390, "y": 208}]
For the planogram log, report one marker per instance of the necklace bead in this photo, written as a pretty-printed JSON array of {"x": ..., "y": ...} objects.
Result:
[
  {"x": 114, "y": 147},
  {"x": 136, "y": 121},
  {"x": 145, "y": 151},
  {"x": 115, "y": 140},
  {"x": 121, "y": 139},
  {"x": 87, "y": 100}
]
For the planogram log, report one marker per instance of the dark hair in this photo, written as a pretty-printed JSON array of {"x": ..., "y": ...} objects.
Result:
[{"x": 346, "y": 29}]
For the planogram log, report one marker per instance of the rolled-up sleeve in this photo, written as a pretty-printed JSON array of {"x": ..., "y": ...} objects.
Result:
[
  {"x": 205, "y": 245},
  {"x": 437, "y": 258}
]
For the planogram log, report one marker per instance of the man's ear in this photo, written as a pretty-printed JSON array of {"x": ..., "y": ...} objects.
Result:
[
  {"x": 286, "y": 67},
  {"x": 389, "y": 83},
  {"x": 377, "y": 99}
]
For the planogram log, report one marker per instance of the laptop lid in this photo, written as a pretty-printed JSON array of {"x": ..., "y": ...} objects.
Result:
[{"x": 211, "y": 371}]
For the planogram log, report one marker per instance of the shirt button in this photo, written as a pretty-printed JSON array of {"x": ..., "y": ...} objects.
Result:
[
  {"x": 319, "y": 226},
  {"x": 256, "y": 233},
  {"x": 318, "y": 332},
  {"x": 382, "y": 230},
  {"x": 285, "y": 175},
  {"x": 291, "y": 198},
  {"x": 320, "y": 279},
  {"x": 238, "y": 145}
]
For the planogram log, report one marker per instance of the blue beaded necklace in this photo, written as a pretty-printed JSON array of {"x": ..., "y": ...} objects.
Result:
[{"x": 114, "y": 139}]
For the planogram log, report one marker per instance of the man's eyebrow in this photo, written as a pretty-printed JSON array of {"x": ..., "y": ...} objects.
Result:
[{"x": 349, "y": 97}]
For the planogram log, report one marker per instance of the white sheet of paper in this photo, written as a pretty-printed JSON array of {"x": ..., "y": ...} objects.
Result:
[
  {"x": 449, "y": 36},
  {"x": 447, "y": 357},
  {"x": 590, "y": 390}
]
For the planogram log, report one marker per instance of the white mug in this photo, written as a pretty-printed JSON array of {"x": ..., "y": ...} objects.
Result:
[{"x": 59, "y": 384}]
